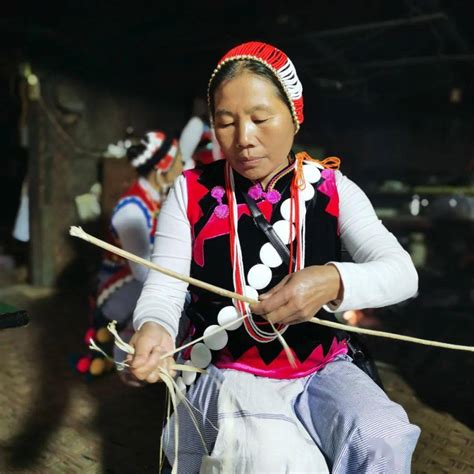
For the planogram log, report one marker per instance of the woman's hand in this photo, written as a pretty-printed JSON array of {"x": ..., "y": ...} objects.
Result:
[
  {"x": 299, "y": 296},
  {"x": 150, "y": 343}
]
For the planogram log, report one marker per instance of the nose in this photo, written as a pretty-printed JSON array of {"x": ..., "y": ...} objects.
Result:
[{"x": 245, "y": 135}]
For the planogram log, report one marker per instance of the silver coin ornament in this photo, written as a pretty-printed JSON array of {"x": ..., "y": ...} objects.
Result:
[
  {"x": 311, "y": 173},
  {"x": 181, "y": 385},
  {"x": 251, "y": 293},
  {"x": 188, "y": 377},
  {"x": 215, "y": 338},
  {"x": 282, "y": 228},
  {"x": 259, "y": 276},
  {"x": 200, "y": 355},
  {"x": 227, "y": 315},
  {"x": 308, "y": 192},
  {"x": 285, "y": 209},
  {"x": 269, "y": 256}
]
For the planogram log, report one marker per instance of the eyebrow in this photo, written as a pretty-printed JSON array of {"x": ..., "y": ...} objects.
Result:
[
  {"x": 262, "y": 107},
  {"x": 221, "y": 112}
]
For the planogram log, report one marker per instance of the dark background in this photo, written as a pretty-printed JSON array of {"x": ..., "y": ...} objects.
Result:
[{"x": 388, "y": 87}]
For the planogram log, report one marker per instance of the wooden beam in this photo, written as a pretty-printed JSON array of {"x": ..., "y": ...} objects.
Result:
[{"x": 40, "y": 171}]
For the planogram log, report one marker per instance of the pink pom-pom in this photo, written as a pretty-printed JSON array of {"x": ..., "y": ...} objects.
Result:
[
  {"x": 83, "y": 365},
  {"x": 90, "y": 334},
  {"x": 255, "y": 192},
  {"x": 221, "y": 211},
  {"x": 217, "y": 192},
  {"x": 273, "y": 196}
]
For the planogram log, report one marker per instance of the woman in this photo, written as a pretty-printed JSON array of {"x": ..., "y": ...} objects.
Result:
[
  {"x": 255, "y": 410},
  {"x": 132, "y": 227}
]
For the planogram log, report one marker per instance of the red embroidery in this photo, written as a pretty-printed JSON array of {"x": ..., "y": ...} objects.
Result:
[
  {"x": 328, "y": 187},
  {"x": 196, "y": 191},
  {"x": 216, "y": 227},
  {"x": 279, "y": 368}
]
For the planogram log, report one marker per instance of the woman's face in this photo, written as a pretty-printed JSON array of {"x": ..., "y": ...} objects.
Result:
[{"x": 253, "y": 126}]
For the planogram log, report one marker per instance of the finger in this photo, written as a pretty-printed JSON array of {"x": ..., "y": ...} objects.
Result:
[
  {"x": 257, "y": 308},
  {"x": 282, "y": 313},
  {"x": 297, "y": 317},
  {"x": 156, "y": 359},
  {"x": 150, "y": 364},
  {"x": 277, "y": 300},
  {"x": 276, "y": 288},
  {"x": 293, "y": 319},
  {"x": 154, "y": 376},
  {"x": 143, "y": 349},
  {"x": 169, "y": 366},
  {"x": 133, "y": 339},
  {"x": 262, "y": 306}
]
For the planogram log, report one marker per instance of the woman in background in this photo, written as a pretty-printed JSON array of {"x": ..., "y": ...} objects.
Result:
[{"x": 157, "y": 162}]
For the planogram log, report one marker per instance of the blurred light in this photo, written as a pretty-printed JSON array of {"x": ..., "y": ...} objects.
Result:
[
  {"x": 424, "y": 202},
  {"x": 362, "y": 318},
  {"x": 453, "y": 202},
  {"x": 455, "y": 95},
  {"x": 353, "y": 317},
  {"x": 415, "y": 205},
  {"x": 25, "y": 69},
  {"x": 32, "y": 80},
  {"x": 128, "y": 143}
]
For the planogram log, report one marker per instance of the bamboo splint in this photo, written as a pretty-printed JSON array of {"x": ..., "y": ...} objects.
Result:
[{"x": 80, "y": 233}]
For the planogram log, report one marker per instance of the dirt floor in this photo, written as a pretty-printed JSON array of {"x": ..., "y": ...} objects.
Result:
[{"x": 52, "y": 421}]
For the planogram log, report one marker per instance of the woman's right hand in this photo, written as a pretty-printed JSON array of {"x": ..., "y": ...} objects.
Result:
[{"x": 151, "y": 342}]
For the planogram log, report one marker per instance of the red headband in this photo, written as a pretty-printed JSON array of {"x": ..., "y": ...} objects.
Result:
[{"x": 279, "y": 63}]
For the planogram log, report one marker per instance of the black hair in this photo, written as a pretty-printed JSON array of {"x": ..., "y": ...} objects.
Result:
[
  {"x": 136, "y": 150},
  {"x": 133, "y": 152},
  {"x": 232, "y": 69}
]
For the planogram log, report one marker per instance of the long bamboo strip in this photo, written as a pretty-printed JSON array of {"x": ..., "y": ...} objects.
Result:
[
  {"x": 80, "y": 233},
  {"x": 391, "y": 335}
]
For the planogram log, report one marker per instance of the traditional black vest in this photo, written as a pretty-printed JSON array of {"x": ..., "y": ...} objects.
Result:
[{"x": 312, "y": 344}]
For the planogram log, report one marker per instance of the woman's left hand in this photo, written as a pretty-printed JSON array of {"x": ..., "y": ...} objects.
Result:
[{"x": 299, "y": 296}]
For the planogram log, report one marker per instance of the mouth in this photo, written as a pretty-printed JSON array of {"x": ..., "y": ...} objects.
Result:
[{"x": 250, "y": 161}]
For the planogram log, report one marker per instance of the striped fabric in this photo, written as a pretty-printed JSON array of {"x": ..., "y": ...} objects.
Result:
[{"x": 336, "y": 420}]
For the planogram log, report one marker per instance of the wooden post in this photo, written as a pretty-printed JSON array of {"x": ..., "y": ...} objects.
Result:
[{"x": 40, "y": 173}]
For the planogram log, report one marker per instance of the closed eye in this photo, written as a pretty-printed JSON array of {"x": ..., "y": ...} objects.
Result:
[{"x": 259, "y": 121}]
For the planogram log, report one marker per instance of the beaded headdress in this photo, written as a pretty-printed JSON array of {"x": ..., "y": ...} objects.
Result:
[
  {"x": 277, "y": 62},
  {"x": 159, "y": 153}
]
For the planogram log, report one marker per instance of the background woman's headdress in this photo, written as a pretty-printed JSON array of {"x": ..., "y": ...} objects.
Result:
[{"x": 159, "y": 152}]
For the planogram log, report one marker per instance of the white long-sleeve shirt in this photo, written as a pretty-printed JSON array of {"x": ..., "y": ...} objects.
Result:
[
  {"x": 383, "y": 273},
  {"x": 189, "y": 140},
  {"x": 133, "y": 230}
]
